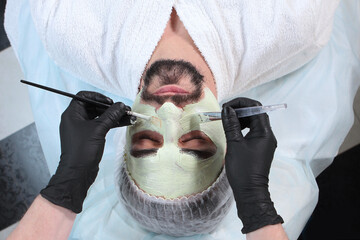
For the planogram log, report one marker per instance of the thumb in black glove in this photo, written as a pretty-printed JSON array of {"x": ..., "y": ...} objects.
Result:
[
  {"x": 247, "y": 162},
  {"x": 83, "y": 129}
]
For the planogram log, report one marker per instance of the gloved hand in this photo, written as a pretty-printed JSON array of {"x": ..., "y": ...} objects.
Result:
[
  {"x": 82, "y": 132},
  {"x": 247, "y": 162}
]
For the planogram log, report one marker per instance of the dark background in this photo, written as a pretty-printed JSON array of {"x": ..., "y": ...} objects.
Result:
[{"x": 4, "y": 42}]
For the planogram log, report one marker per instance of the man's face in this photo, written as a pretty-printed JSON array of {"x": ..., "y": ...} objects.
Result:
[{"x": 177, "y": 155}]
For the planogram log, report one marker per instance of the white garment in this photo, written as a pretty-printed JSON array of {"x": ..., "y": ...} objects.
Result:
[
  {"x": 309, "y": 132},
  {"x": 246, "y": 43}
]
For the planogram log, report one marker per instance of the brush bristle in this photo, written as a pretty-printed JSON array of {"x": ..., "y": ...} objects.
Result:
[{"x": 156, "y": 121}]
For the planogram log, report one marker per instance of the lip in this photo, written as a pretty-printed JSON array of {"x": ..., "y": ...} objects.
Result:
[{"x": 170, "y": 89}]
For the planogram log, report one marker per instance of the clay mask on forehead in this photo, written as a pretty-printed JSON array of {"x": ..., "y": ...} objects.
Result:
[{"x": 171, "y": 171}]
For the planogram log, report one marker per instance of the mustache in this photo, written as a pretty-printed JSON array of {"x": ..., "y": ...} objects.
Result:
[
  {"x": 176, "y": 99},
  {"x": 171, "y": 72}
]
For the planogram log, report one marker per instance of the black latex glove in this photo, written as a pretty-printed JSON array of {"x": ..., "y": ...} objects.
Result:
[
  {"x": 82, "y": 133},
  {"x": 247, "y": 162}
]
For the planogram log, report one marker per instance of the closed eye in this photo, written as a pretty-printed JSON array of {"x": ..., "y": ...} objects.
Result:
[
  {"x": 197, "y": 143},
  {"x": 145, "y": 143},
  {"x": 143, "y": 153},
  {"x": 198, "y": 153}
]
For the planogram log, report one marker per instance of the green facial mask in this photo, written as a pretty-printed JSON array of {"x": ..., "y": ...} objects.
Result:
[{"x": 171, "y": 172}]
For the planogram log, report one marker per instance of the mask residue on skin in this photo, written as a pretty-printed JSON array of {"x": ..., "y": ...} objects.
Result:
[{"x": 171, "y": 172}]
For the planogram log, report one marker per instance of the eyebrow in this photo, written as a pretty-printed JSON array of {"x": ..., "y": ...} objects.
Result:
[
  {"x": 198, "y": 153},
  {"x": 143, "y": 152}
]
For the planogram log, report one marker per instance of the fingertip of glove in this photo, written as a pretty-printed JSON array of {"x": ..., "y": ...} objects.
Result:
[
  {"x": 109, "y": 100},
  {"x": 225, "y": 105},
  {"x": 228, "y": 112},
  {"x": 133, "y": 119},
  {"x": 229, "y": 117},
  {"x": 119, "y": 106}
]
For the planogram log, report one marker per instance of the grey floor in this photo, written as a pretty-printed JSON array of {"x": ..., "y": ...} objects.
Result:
[
  {"x": 23, "y": 170},
  {"x": 23, "y": 173}
]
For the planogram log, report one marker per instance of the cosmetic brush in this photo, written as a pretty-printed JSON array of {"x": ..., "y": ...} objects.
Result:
[
  {"x": 204, "y": 117},
  {"x": 242, "y": 112},
  {"x": 90, "y": 101}
]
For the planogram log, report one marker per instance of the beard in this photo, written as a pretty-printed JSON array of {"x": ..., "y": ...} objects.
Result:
[{"x": 171, "y": 72}]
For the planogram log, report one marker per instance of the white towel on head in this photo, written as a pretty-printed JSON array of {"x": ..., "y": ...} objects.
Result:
[
  {"x": 246, "y": 43},
  {"x": 105, "y": 43}
]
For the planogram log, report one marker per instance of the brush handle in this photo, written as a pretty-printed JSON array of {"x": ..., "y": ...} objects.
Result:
[
  {"x": 251, "y": 111},
  {"x": 245, "y": 112},
  {"x": 82, "y": 99}
]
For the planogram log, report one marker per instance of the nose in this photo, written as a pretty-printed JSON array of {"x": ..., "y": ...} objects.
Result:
[{"x": 169, "y": 110}]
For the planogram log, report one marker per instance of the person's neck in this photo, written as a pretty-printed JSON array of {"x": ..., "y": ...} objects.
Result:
[{"x": 176, "y": 44}]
